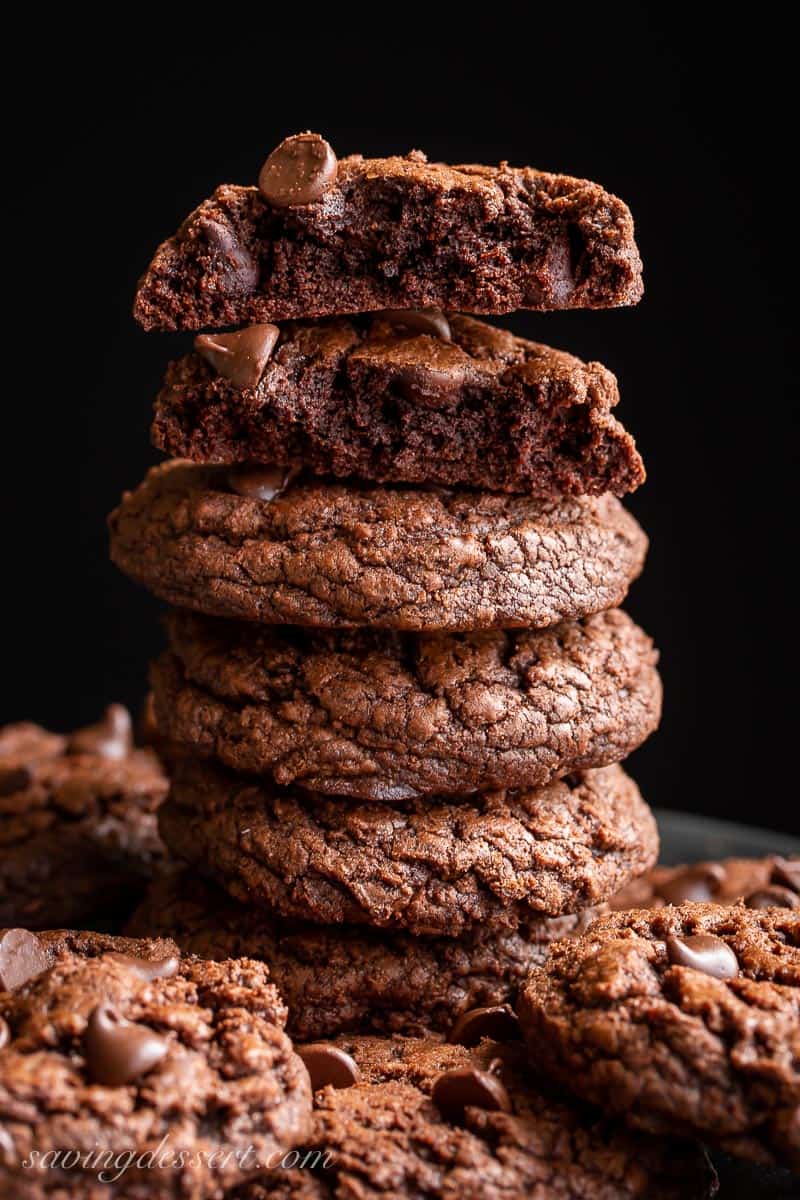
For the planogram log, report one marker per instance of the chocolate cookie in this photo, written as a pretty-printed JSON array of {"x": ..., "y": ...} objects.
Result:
[
  {"x": 420, "y": 1118},
  {"x": 330, "y": 555},
  {"x": 347, "y": 978},
  {"x": 78, "y": 833},
  {"x": 371, "y": 399},
  {"x": 433, "y": 866},
  {"x": 394, "y": 233},
  {"x": 386, "y": 716},
  {"x": 772, "y": 882},
  {"x": 108, "y": 1054},
  {"x": 685, "y": 1019}
]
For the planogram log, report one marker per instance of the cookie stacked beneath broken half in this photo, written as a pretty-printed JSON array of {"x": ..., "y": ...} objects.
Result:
[{"x": 398, "y": 685}]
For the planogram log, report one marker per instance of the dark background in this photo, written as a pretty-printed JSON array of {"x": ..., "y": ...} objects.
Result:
[{"x": 689, "y": 126}]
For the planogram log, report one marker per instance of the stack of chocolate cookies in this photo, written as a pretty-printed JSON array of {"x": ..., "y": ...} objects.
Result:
[{"x": 398, "y": 686}]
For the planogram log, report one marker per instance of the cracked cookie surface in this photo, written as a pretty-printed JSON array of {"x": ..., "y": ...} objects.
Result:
[
  {"x": 396, "y": 232},
  {"x": 619, "y": 1018},
  {"x": 118, "y": 1052},
  {"x": 432, "y": 866},
  {"x": 329, "y": 555},
  {"x": 387, "y": 1136},
  {"x": 347, "y": 979},
  {"x": 78, "y": 833},
  {"x": 387, "y": 716},
  {"x": 364, "y": 398}
]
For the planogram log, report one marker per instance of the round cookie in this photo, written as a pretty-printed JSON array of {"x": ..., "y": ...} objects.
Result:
[
  {"x": 432, "y": 866},
  {"x": 347, "y": 978},
  {"x": 430, "y": 1119},
  {"x": 685, "y": 1019},
  {"x": 78, "y": 833},
  {"x": 328, "y": 555},
  {"x": 131, "y": 1055},
  {"x": 771, "y": 882},
  {"x": 385, "y": 716}
]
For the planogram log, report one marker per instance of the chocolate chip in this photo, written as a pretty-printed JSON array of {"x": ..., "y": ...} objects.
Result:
[
  {"x": 147, "y": 968},
  {"x": 495, "y": 1021},
  {"x": 110, "y": 738},
  {"x": 299, "y": 171},
  {"x": 235, "y": 268},
  {"x": 14, "y": 779},
  {"x": 786, "y": 873},
  {"x": 241, "y": 356},
  {"x": 697, "y": 884},
  {"x": 22, "y": 957},
  {"x": 261, "y": 482},
  {"x": 467, "y": 1087},
  {"x": 419, "y": 320},
  {"x": 328, "y": 1065},
  {"x": 5, "y": 1033},
  {"x": 118, "y": 1051},
  {"x": 703, "y": 952},
  {"x": 773, "y": 897}
]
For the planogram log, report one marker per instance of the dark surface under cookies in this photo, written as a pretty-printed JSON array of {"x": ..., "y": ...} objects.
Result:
[
  {"x": 396, "y": 233},
  {"x": 368, "y": 399},
  {"x": 337, "y": 555},
  {"x": 388, "y": 717}
]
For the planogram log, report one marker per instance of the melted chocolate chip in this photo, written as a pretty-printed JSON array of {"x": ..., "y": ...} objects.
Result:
[
  {"x": 118, "y": 1051},
  {"x": 22, "y": 957},
  {"x": 773, "y": 897},
  {"x": 328, "y": 1065},
  {"x": 235, "y": 268},
  {"x": 260, "y": 482},
  {"x": 786, "y": 873},
  {"x": 298, "y": 171},
  {"x": 419, "y": 320},
  {"x": 699, "y": 883},
  {"x": 147, "y": 969},
  {"x": 467, "y": 1087},
  {"x": 240, "y": 357},
  {"x": 496, "y": 1021},
  {"x": 14, "y": 779},
  {"x": 5, "y": 1033},
  {"x": 703, "y": 952},
  {"x": 110, "y": 738}
]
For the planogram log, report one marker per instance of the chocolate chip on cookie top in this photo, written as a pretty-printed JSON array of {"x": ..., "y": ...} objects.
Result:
[
  {"x": 140, "y": 1049},
  {"x": 345, "y": 978},
  {"x": 78, "y": 829},
  {"x": 686, "y": 1019},
  {"x": 435, "y": 1119}
]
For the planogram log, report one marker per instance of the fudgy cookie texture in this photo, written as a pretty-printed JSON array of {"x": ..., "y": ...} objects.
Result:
[
  {"x": 771, "y": 882},
  {"x": 432, "y": 866},
  {"x": 686, "y": 1019},
  {"x": 78, "y": 834},
  {"x": 427, "y": 1119},
  {"x": 370, "y": 399},
  {"x": 329, "y": 555},
  {"x": 395, "y": 233},
  {"x": 112, "y": 1052},
  {"x": 347, "y": 978},
  {"x": 386, "y": 716}
]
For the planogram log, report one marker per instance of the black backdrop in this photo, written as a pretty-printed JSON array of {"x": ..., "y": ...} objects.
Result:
[{"x": 688, "y": 125}]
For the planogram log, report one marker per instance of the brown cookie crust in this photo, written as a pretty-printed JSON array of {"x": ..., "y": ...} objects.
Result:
[
  {"x": 434, "y": 867},
  {"x": 347, "y": 978},
  {"x": 385, "y": 716},
  {"x": 78, "y": 833},
  {"x": 363, "y": 398},
  {"x": 396, "y": 233},
  {"x": 387, "y": 1138},
  {"x": 673, "y": 1048},
  {"x": 229, "y": 1077},
  {"x": 336, "y": 556}
]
